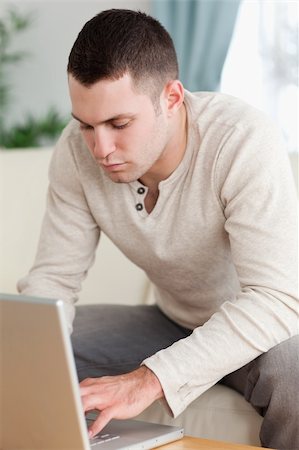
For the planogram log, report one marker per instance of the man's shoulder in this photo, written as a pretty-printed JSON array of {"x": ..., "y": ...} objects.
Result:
[
  {"x": 71, "y": 156},
  {"x": 70, "y": 144},
  {"x": 223, "y": 110},
  {"x": 229, "y": 130},
  {"x": 71, "y": 134}
]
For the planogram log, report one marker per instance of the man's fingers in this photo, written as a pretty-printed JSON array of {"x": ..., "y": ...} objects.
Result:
[
  {"x": 92, "y": 385},
  {"x": 101, "y": 421},
  {"x": 90, "y": 402},
  {"x": 87, "y": 382},
  {"x": 87, "y": 390}
]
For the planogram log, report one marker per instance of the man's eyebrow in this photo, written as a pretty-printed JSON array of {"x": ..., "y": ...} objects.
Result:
[
  {"x": 77, "y": 118},
  {"x": 117, "y": 117}
]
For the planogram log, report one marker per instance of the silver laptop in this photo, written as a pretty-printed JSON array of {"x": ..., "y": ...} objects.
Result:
[{"x": 39, "y": 394}]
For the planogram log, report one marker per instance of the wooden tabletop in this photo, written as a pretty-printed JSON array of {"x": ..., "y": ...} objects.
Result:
[{"x": 190, "y": 443}]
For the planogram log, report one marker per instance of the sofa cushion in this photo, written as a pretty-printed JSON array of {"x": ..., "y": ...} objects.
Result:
[{"x": 220, "y": 413}]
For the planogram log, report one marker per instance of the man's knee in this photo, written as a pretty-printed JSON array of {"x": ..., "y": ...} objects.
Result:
[
  {"x": 275, "y": 374},
  {"x": 282, "y": 361}
]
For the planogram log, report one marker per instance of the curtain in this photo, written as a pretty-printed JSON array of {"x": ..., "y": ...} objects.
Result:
[
  {"x": 263, "y": 70},
  {"x": 201, "y": 31}
]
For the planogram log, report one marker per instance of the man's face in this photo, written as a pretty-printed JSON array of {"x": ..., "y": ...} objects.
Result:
[{"x": 120, "y": 127}]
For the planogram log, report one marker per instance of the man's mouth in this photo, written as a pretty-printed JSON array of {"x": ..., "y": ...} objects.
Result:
[{"x": 112, "y": 167}]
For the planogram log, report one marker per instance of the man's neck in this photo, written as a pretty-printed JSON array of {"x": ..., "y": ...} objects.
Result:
[
  {"x": 173, "y": 154},
  {"x": 175, "y": 151}
]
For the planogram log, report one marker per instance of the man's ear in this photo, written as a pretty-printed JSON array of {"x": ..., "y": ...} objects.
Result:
[{"x": 173, "y": 96}]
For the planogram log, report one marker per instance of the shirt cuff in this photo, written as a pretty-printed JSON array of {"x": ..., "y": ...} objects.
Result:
[{"x": 176, "y": 396}]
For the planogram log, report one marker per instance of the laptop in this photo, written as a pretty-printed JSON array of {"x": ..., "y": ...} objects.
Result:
[{"x": 39, "y": 394}]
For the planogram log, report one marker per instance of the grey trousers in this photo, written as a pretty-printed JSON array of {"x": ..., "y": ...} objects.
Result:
[{"x": 114, "y": 339}]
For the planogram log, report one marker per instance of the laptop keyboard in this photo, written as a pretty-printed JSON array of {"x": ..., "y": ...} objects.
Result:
[{"x": 102, "y": 438}]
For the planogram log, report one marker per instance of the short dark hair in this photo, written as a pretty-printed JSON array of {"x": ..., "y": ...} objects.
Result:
[{"x": 119, "y": 41}]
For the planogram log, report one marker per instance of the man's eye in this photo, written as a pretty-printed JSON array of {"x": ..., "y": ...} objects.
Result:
[
  {"x": 121, "y": 126},
  {"x": 83, "y": 126}
]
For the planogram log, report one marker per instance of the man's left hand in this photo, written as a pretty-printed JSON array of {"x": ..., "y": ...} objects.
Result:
[{"x": 119, "y": 397}]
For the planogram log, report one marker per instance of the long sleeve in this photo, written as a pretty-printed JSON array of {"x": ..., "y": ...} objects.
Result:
[
  {"x": 254, "y": 187},
  {"x": 69, "y": 234}
]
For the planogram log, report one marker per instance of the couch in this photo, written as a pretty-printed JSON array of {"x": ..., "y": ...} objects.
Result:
[{"x": 219, "y": 413}]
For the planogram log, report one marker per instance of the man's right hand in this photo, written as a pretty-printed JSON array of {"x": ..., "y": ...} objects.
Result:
[{"x": 119, "y": 397}]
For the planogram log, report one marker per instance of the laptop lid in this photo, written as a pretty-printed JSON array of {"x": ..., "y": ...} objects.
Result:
[
  {"x": 39, "y": 387},
  {"x": 40, "y": 400}
]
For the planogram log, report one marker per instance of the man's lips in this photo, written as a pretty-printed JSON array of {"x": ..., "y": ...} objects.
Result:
[{"x": 111, "y": 167}]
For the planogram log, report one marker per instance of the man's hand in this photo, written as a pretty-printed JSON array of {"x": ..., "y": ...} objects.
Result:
[{"x": 119, "y": 397}]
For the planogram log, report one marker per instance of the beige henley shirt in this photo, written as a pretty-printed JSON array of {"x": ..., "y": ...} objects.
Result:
[{"x": 220, "y": 244}]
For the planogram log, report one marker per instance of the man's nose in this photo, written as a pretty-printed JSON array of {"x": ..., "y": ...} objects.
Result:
[{"x": 103, "y": 143}]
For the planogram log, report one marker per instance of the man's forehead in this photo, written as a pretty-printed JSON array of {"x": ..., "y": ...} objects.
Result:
[{"x": 106, "y": 100}]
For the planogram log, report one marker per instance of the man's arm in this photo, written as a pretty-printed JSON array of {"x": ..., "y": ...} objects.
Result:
[
  {"x": 255, "y": 189},
  {"x": 69, "y": 234}
]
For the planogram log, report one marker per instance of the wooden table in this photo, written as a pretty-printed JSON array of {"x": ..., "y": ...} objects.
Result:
[{"x": 191, "y": 443}]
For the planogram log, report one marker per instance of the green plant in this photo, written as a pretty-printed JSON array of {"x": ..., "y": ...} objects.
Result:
[{"x": 32, "y": 131}]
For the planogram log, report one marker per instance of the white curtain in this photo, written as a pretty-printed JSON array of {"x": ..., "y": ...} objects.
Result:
[{"x": 262, "y": 62}]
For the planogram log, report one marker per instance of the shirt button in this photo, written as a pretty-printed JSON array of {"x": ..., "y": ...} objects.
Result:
[
  {"x": 139, "y": 207},
  {"x": 141, "y": 190}
]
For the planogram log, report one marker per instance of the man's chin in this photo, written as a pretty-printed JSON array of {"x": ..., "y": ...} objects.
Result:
[{"x": 120, "y": 178}]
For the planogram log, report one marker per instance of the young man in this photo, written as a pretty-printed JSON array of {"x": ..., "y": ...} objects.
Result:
[{"x": 195, "y": 189}]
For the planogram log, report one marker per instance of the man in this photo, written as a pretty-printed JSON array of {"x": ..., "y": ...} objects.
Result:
[{"x": 196, "y": 190}]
